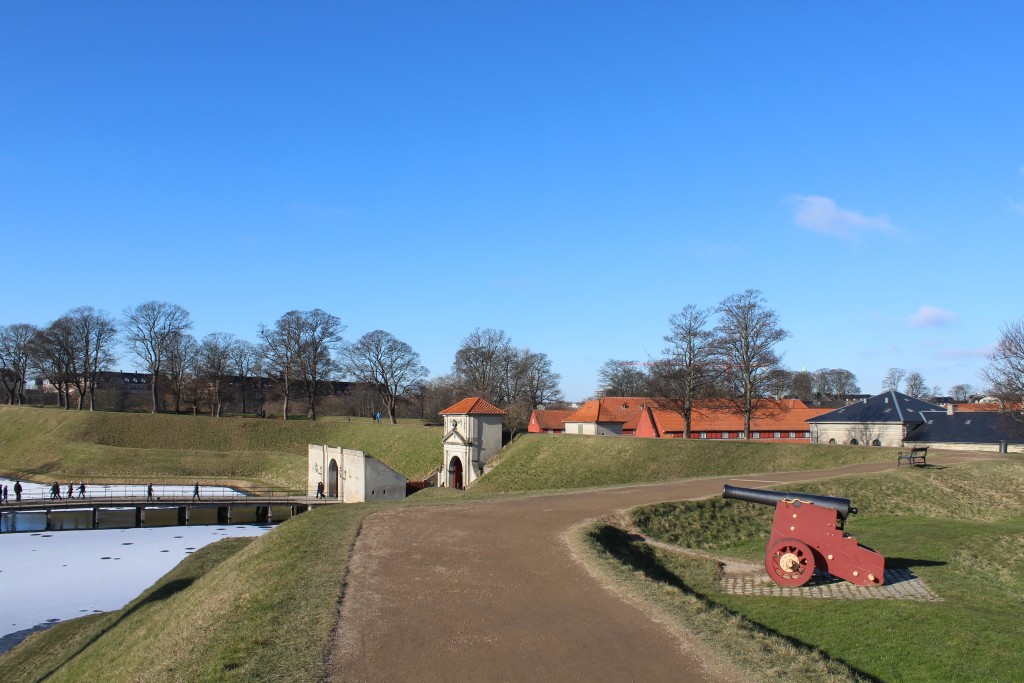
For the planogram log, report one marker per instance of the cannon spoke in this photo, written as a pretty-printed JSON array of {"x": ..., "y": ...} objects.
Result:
[{"x": 789, "y": 562}]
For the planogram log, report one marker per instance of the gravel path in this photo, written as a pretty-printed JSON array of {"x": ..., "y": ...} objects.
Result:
[{"x": 489, "y": 591}]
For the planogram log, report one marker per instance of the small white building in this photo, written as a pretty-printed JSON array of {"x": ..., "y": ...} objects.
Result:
[
  {"x": 352, "y": 476},
  {"x": 472, "y": 436}
]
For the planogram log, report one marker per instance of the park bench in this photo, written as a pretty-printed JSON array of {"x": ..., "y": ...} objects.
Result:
[{"x": 918, "y": 454}]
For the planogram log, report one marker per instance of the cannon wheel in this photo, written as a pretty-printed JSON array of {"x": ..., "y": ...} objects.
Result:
[{"x": 789, "y": 562}]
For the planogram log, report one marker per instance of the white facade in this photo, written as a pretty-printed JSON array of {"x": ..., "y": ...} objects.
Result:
[
  {"x": 351, "y": 475},
  {"x": 594, "y": 428},
  {"x": 889, "y": 435},
  {"x": 470, "y": 442}
]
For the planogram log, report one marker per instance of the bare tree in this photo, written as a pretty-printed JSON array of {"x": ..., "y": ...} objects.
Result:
[
  {"x": 481, "y": 361},
  {"x": 541, "y": 385},
  {"x": 52, "y": 357},
  {"x": 1005, "y": 370},
  {"x": 801, "y": 385},
  {"x": 15, "y": 358},
  {"x": 150, "y": 329},
  {"x": 835, "y": 384},
  {"x": 961, "y": 393},
  {"x": 684, "y": 374},
  {"x": 93, "y": 335},
  {"x": 280, "y": 350},
  {"x": 320, "y": 336},
  {"x": 245, "y": 359},
  {"x": 893, "y": 379},
  {"x": 387, "y": 363},
  {"x": 215, "y": 353},
  {"x": 623, "y": 378},
  {"x": 915, "y": 386},
  {"x": 745, "y": 341},
  {"x": 181, "y": 361}
]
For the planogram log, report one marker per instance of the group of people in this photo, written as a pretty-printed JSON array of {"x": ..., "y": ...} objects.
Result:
[
  {"x": 55, "y": 491},
  {"x": 4, "y": 492}
]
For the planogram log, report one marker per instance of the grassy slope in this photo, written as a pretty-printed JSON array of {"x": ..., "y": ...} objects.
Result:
[
  {"x": 238, "y": 610},
  {"x": 564, "y": 461},
  {"x": 54, "y": 444},
  {"x": 961, "y": 529}
]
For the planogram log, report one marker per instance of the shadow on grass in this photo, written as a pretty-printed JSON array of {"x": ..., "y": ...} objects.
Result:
[
  {"x": 632, "y": 552},
  {"x": 162, "y": 593},
  {"x": 907, "y": 562}
]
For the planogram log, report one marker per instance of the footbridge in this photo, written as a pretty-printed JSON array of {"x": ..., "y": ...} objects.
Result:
[{"x": 263, "y": 501}]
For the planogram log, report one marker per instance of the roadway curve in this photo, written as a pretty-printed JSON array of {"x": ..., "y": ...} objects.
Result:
[{"x": 489, "y": 591}]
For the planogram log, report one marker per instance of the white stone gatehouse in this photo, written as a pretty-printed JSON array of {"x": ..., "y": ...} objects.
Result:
[
  {"x": 351, "y": 476},
  {"x": 472, "y": 436}
]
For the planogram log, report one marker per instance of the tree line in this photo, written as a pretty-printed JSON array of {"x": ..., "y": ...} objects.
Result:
[
  {"x": 727, "y": 354},
  {"x": 298, "y": 354}
]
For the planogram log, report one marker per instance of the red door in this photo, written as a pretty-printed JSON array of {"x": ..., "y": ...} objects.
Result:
[{"x": 455, "y": 472}]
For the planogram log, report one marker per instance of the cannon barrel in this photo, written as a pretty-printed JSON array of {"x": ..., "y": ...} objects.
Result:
[{"x": 841, "y": 505}]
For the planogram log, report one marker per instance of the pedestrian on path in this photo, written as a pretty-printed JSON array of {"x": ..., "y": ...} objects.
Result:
[
  {"x": 5, "y": 493},
  {"x": 195, "y": 492},
  {"x": 17, "y": 491},
  {"x": 320, "y": 490},
  {"x": 71, "y": 490},
  {"x": 81, "y": 490},
  {"x": 149, "y": 492},
  {"x": 55, "y": 491}
]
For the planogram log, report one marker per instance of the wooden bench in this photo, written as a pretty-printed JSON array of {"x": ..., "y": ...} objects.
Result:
[{"x": 916, "y": 455}]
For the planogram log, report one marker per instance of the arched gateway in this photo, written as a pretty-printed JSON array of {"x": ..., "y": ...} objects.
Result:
[
  {"x": 332, "y": 479},
  {"x": 472, "y": 437},
  {"x": 455, "y": 473}
]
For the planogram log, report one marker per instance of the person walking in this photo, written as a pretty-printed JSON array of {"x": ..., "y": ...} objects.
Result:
[
  {"x": 5, "y": 493},
  {"x": 81, "y": 490},
  {"x": 149, "y": 492},
  {"x": 17, "y": 491},
  {"x": 195, "y": 492},
  {"x": 71, "y": 490},
  {"x": 320, "y": 490},
  {"x": 55, "y": 491}
]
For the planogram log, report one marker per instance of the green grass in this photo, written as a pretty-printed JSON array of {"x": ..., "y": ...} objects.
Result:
[
  {"x": 568, "y": 461},
  {"x": 238, "y": 610},
  {"x": 961, "y": 529},
  {"x": 46, "y": 444},
  {"x": 655, "y": 580}
]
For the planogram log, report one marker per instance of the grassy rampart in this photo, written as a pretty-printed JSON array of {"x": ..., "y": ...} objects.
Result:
[
  {"x": 960, "y": 529},
  {"x": 238, "y": 610},
  {"x": 569, "y": 461},
  {"x": 47, "y": 444}
]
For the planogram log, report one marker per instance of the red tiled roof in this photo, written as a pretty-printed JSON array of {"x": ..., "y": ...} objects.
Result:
[
  {"x": 551, "y": 419},
  {"x": 472, "y": 406},
  {"x": 716, "y": 419},
  {"x": 623, "y": 409}
]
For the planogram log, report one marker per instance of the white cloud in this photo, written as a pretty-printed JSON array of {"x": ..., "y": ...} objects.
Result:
[
  {"x": 822, "y": 214},
  {"x": 930, "y": 316}
]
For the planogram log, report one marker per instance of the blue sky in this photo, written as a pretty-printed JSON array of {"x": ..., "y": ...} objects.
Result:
[{"x": 572, "y": 173}]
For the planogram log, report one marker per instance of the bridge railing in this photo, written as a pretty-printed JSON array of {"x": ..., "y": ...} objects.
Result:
[{"x": 99, "y": 494}]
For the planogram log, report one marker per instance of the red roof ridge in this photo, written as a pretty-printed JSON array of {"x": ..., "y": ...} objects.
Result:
[{"x": 473, "y": 406}]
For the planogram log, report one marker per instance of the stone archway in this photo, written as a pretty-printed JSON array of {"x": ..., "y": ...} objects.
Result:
[
  {"x": 332, "y": 479},
  {"x": 455, "y": 473}
]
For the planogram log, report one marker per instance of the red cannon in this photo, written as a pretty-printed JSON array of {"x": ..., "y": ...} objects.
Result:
[{"x": 808, "y": 533}]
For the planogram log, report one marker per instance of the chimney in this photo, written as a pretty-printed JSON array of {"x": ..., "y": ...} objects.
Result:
[{"x": 951, "y": 409}]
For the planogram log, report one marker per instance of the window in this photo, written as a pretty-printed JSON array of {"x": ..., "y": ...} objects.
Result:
[
  {"x": 579, "y": 429},
  {"x": 876, "y": 442},
  {"x": 741, "y": 435},
  {"x": 832, "y": 441},
  {"x": 703, "y": 435},
  {"x": 755, "y": 435},
  {"x": 792, "y": 435},
  {"x": 778, "y": 435},
  {"x": 854, "y": 442},
  {"x": 725, "y": 435}
]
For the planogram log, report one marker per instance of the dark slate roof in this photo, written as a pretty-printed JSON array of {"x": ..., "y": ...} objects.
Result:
[
  {"x": 891, "y": 406},
  {"x": 983, "y": 427}
]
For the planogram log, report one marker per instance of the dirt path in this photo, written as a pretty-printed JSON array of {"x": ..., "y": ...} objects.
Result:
[{"x": 488, "y": 591}]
